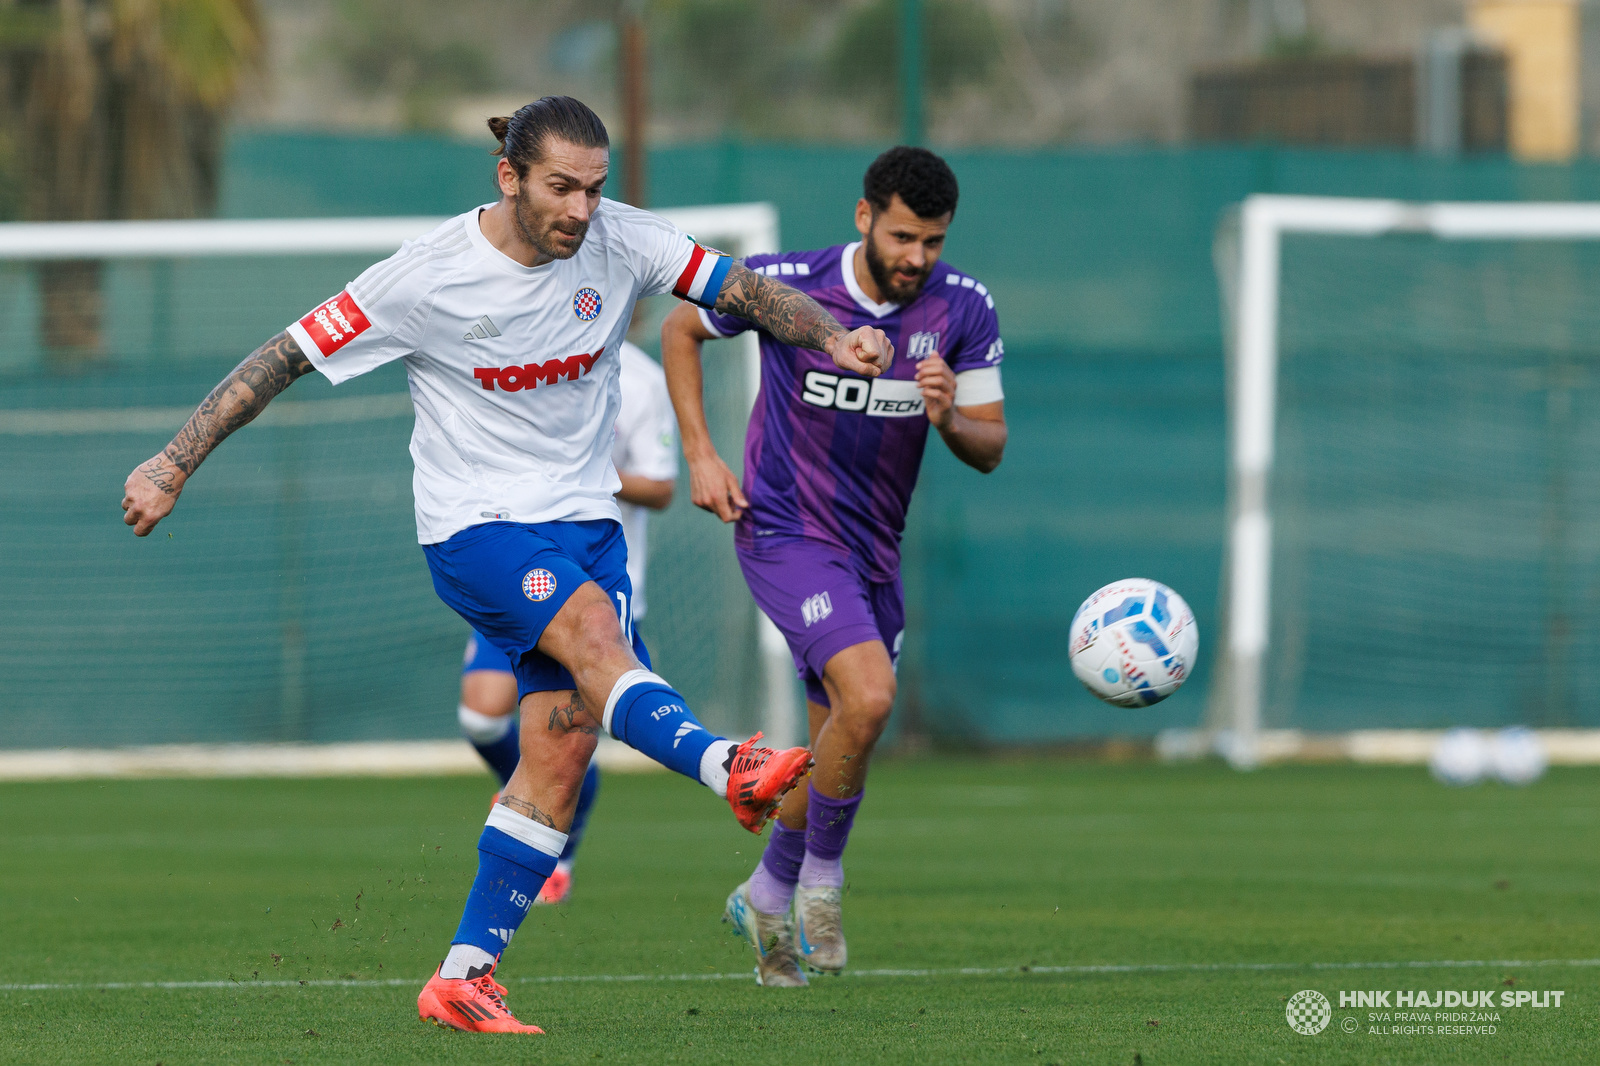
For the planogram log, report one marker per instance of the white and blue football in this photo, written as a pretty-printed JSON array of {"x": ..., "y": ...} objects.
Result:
[{"x": 1134, "y": 642}]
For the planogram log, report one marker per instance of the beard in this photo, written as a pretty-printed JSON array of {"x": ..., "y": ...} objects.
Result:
[
  {"x": 895, "y": 289},
  {"x": 546, "y": 236}
]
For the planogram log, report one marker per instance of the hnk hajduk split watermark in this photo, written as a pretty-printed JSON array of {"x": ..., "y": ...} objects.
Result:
[{"x": 1398, "y": 1012}]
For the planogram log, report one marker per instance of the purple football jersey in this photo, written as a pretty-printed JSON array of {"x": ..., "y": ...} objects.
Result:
[{"x": 833, "y": 456}]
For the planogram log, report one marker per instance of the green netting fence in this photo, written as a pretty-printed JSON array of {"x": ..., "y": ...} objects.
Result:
[{"x": 291, "y": 601}]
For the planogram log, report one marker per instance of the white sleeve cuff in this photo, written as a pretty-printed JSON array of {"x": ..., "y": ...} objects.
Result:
[
  {"x": 980, "y": 386},
  {"x": 705, "y": 320},
  {"x": 335, "y": 372}
]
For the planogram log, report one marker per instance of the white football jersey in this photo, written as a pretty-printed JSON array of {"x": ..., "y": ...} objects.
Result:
[
  {"x": 514, "y": 370},
  {"x": 646, "y": 445}
]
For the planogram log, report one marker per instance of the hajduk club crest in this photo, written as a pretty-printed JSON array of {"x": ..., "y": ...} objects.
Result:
[
  {"x": 538, "y": 585},
  {"x": 586, "y": 304}
]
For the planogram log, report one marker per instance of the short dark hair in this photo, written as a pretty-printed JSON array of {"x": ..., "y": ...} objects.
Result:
[
  {"x": 522, "y": 137},
  {"x": 924, "y": 181}
]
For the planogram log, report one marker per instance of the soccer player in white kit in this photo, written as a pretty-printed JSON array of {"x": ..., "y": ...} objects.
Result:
[
  {"x": 646, "y": 457},
  {"x": 514, "y": 484}
]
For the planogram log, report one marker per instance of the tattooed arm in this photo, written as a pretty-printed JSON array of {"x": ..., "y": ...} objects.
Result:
[
  {"x": 792, "y": 317},
  {"x": 152, "y": 489}
]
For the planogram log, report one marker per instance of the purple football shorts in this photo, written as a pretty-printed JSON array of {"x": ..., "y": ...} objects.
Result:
[{"x": 817, "y": 596}]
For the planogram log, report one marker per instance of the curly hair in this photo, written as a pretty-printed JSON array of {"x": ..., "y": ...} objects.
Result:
[
  {"x": 924, "y": 181},
  {"x": 522, "y": 136}
]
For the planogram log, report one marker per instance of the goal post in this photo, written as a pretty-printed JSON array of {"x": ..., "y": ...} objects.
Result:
[
  {"x": 174, "y": 301},
  {"x": 1423, "y": 236}
]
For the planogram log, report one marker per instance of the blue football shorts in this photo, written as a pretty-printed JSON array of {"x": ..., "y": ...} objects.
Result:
[{"x": 508, "y": 580}]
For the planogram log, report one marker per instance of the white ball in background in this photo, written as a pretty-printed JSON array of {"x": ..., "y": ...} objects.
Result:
[
  {"x": 1516, "y": 756},
  {"x": 1461, "y": 757}
]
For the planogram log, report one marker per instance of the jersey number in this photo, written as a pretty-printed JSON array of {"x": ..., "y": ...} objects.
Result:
[{"x": 625, "y": 616}]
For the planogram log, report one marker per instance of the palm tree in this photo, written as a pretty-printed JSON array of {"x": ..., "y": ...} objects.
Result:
[{"x": 114, "y": 109}]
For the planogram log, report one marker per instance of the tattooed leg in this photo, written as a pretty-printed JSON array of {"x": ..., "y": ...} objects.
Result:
[
  {"x": 572, "y": 716},
  {"x": 549, "y": 774},
  {"x": 528, "y": 810}
]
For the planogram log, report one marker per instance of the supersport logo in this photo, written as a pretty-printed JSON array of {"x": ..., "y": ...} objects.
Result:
[{"x": 532, "y": 375}]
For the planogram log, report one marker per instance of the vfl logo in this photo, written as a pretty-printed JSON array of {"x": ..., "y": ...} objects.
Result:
[
  {"x": 586, "y": 304},
  {"x": 815, "y": 608},
  {"x": 923, "y": 345},
  {"x": 334, "y": 324},
  {"x": 996, "y": 350},
  {"x": 531, "y": 376},
  {"x": 538, "y": 585},
  {"x": 880, "y": 397}
]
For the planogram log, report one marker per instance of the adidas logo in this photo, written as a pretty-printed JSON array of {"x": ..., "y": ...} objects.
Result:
[
  {"x": 503, "y": 934},
  {"x": 470, "y": 1011},
  {"x": 483, "y": 330},
  {"x": 684, "y": 730}
]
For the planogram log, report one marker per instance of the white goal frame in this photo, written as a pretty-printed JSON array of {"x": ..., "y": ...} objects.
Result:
[
  {"x": 742, "y": 229},
  {"x": 1263, "y": 220}
]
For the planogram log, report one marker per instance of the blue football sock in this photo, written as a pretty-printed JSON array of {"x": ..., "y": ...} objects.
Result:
[
  {"x": 515, "y": 855},
  {"x": 580, "y": 818},
  {"x": 646, "y": 713},
  {"x": 497, "y": 739}
]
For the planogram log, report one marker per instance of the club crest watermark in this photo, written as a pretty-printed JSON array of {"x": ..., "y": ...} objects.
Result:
[
  {"x": 1308, "y": 1012},
  {"x": 1417, "y": 1013}
]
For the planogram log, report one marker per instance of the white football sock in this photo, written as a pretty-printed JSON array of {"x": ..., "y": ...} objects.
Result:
[
  {"x": 714, "y": 766},
  {"x": 821, "y": 873},
  {"x": 462, "y": 959},
  {"x": 482, "y": 728}
]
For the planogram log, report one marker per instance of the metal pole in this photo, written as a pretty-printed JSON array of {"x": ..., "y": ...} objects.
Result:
[
  {"x": 1254, "y": 392},
  {"x": 634, "y": 105},
  {"x": 911, "y": 71}
]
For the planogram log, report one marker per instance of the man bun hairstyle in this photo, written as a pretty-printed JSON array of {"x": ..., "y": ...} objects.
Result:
[
  {"x": 523, "y": 136},
  {"x": 924, "y": 181}
]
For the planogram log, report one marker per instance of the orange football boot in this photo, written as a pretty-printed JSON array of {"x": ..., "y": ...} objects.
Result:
[
  {"x": 557, "y": 887},
  {"x": 475, "y": 1006},
  {"x": 759, "y": 778}
]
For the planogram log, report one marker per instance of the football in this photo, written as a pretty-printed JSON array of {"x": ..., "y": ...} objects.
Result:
[
  {"x": 1133, "y": 642},
  {"x": 1516, "y": 756},
  {"x": 1461, "y": 757}
]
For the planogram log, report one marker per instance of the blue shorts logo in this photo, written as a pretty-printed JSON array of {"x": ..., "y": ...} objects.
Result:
[
  {"x": 586, "y": 304},
  {"x": 538, "y": 585}
]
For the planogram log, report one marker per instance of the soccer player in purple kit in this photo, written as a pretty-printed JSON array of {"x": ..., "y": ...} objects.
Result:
[{"x": 831, "y": 459}]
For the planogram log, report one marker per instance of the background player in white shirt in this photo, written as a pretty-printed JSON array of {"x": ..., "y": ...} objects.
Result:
[
  {"x": 509, "y": 319},
  {"x": 646, "y": 457}
]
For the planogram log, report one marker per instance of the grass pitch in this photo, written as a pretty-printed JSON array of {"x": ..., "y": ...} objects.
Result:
[{"x": 1187, "y": 876}]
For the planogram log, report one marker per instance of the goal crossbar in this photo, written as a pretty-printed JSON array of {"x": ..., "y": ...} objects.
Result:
[
  {"x": 1263, "y": 221},
  {"x": 754, "y": 225}
]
